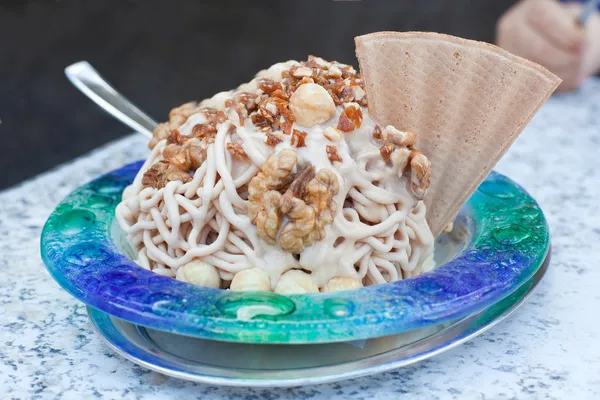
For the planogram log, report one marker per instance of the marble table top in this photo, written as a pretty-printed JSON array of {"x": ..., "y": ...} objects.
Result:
[{"x": 548, "y": 349}]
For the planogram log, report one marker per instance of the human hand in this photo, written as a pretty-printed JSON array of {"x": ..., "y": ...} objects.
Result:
[
  {"x": 546, "y": 32},
  {"x": 590, "y": 64}
]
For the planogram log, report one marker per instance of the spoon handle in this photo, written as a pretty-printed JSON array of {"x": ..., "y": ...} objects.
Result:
[{"x": 88, "y": 80}]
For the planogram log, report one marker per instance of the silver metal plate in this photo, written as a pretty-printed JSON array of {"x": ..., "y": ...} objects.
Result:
[{"x": 250, "y": 365}]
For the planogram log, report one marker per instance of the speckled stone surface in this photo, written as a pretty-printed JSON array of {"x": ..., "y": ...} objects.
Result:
[{"x": 548, "y": 349}]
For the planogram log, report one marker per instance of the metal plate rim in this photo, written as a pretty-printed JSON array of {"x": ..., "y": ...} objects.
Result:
[
  {"x": 333, "y": 377},
  {"x": 80, "y": 252}
]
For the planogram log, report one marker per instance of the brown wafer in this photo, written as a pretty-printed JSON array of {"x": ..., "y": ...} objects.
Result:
[{"x": 466, "y": 100}]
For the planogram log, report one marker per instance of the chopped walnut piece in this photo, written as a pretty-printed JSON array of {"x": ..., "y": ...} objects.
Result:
[
  {"x": 346, "y": 95},
  {"x": 357, "y": 92},
  {"x": 354, "y": 114},
  {"x": 196, "y": 151},
  {"x": 287, "y": 118},
  {"x": 332, "y": 154},
  {"x": 247, "y": 99},
  {"x": 316, "y": 62},
  {"x": 276, "y": 113},
  {"x": 171, "y": 150},
  {"x": 344, "y": 123},
  {"x": 261, "y": 123},
  {"x": 179, "y": 115},
  {"x": 303, "y": 81},
  {"x": 175, "y": 137},
  {"x": 347, "y": 71},
  {"x": 336, "y": 86},
  {"x": 214, "y": 115},
  {"x": 269, "y": 86},
  {"x": 204, "y": 130},
  {"x": 386, "y": 151},
  {"x": 334, "y": 72},
  {"x": 280, "y": 94},
  {"x": 237, "y": 150},
  {"x": 272, "y": 140},
  {"x": 268, "y": 109},
  {"x": 161, "y": 132},
  {"x": 334, "y": 96},
  {"x": 162, "y": 173},
  {"x": 420, "y": 174},
  {"x": 191, "y": 155},
  {"x": 298, "y": 138},
  {"x": 377, "y": 132}
]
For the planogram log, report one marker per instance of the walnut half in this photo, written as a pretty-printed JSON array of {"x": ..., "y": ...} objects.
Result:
[
  {"x": 309, "y": 211},
  {"x": 306, "y": 199},
  {"x": 275, "y": 174}
]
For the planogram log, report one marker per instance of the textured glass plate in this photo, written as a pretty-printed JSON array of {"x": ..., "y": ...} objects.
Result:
[
  {"x": 240, "y": 364},
  {"x": 84, "y": 252}
]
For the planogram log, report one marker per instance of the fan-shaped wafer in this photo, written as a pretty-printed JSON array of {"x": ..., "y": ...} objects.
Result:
[{"x": 467, "y": 101}]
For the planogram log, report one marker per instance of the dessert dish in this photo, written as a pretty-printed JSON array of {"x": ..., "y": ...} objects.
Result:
[
  {"x": 312, "y": 178},
  {"x": 284, "y": 184}
]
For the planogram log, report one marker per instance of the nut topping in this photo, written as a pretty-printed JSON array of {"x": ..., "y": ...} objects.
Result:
[
  {"x": 275, "y": 174},
  {"x": 332, "y": 154},
  {"x": 237, "y": 150},
  {"x": 311, "y": 104},
  {"x": 307, "y": 202},
  {"x": 377, "y": 132},
  {"x": 301, "y": 72},
  {"x": 386, "y": 151},
  {"x": 334, "y": 72},
  {"x": 399, "y": 138},
  {"x": 420, "y": 174},
  {"x": 332, "y": 134},
  {"x": 298, "y": 138}
]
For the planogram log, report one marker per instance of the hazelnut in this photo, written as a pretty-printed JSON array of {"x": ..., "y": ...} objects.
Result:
[
  {"x": 341, "y": 283},
  {"x": 311, "y": 104},
  {"x": 251, "y": 280},
  {"x": 449, "y": 228},
  {"x": 296, "y": 282},
  {"x": 199, "y": 273}
]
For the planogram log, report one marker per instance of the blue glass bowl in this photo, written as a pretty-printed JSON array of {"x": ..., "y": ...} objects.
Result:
[{"x": 85, "y": 252}]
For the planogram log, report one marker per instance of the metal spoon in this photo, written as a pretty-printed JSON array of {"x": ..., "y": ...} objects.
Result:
[{"x": 88, "y": 80}]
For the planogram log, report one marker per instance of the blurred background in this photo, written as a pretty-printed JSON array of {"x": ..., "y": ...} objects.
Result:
[{"x": 163, "y": 53}]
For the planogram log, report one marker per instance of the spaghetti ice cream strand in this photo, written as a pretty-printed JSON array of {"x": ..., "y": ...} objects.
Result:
[{"x": 287, "y": 172}]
